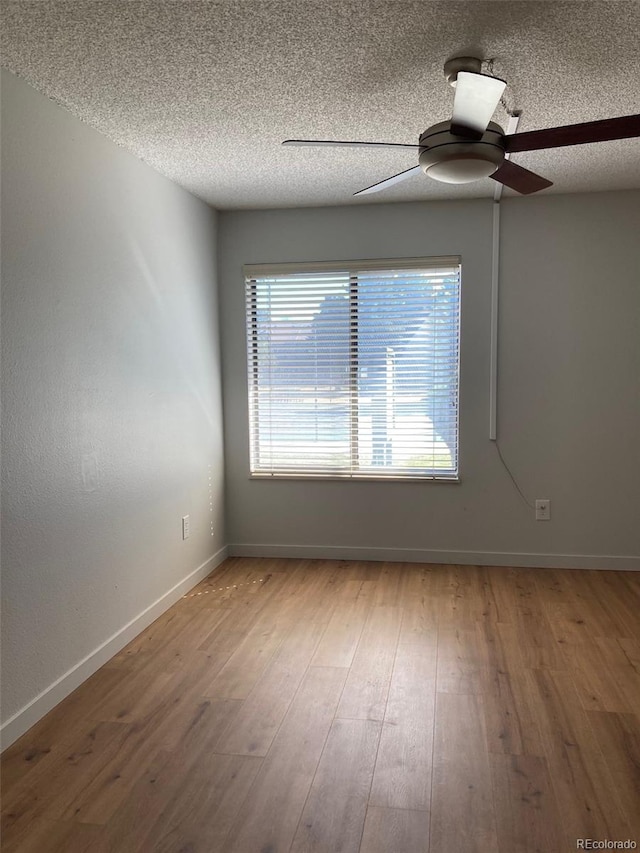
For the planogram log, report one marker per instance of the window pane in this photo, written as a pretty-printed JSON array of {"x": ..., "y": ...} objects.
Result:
[
  {"x": 407, "y": 370},
  {"x": 300, "y": 394}
]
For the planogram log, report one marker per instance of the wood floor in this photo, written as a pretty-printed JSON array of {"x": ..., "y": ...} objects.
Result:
[{"x": 298, "y": 705}]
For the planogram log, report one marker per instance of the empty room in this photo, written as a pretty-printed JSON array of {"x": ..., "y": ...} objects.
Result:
[{"x": 320, "y": 426}]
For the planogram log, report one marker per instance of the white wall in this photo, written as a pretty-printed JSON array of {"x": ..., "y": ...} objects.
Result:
[
  {"x": 569, "y": 401},
  {"x": 111, "y": 399}
]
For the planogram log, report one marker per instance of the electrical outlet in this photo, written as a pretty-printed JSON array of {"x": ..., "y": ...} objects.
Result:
[
  {"x": 543, "y": 510},
  {"x": 186, "y": 527}
]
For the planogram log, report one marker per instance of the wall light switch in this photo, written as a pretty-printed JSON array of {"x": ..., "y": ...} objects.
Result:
[
  {"x": 543, "y": 510},
  {"x": 186, "y": 527}
]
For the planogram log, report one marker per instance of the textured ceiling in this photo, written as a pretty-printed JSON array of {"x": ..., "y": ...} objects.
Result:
[{"x": 206, "y": 91}]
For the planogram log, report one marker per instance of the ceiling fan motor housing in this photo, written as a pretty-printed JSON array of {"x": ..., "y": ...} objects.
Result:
[{"x": 452, "y": 159}]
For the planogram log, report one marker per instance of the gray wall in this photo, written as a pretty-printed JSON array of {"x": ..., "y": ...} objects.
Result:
[
  {"x": 569, "y": 400},
  {"x": 111, "y": 391}
]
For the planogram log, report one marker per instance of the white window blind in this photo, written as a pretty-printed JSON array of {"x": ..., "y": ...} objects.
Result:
[{"x": 353, "y": 369}]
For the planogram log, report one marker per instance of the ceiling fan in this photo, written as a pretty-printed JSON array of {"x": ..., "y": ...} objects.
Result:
[{"x": 471, "y": 146}]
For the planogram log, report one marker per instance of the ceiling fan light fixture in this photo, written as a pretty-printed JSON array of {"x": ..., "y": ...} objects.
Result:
[
  {"x": 448, "y": 158},
  {"x": 461, "y": 170}
]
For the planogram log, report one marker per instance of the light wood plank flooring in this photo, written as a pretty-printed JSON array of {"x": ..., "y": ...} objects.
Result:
[{"x": 299, "y": 705}]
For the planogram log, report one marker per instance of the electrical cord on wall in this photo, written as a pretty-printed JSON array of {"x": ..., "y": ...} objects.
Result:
[{"x": 513, "y": 479}]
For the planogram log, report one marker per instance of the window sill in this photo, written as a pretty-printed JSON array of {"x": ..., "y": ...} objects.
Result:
[{"x": 360, "y": 478}]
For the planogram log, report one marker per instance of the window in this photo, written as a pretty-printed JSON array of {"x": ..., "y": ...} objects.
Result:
[{"x": 353, "y": 369}]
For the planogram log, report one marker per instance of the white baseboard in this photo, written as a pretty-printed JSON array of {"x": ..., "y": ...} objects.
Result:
[
  {"x": 17, "y": 725},
  {"x": 419, "y": 555}
]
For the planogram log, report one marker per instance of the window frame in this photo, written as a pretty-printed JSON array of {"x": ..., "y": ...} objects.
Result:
[{"x": 252, "y": 272}]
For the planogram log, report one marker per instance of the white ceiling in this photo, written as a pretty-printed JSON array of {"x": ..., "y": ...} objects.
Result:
[{"x": 206, "y": 91}]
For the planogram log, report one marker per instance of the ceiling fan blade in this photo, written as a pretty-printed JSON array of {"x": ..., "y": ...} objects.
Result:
[
  {"x": 475, "y": 101},
  {"x": 519, "y": 179},
  {"x": 388, "y": 182},
  {"x": 330, "y": 143},
  {"x": 605, "y": 130}
]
